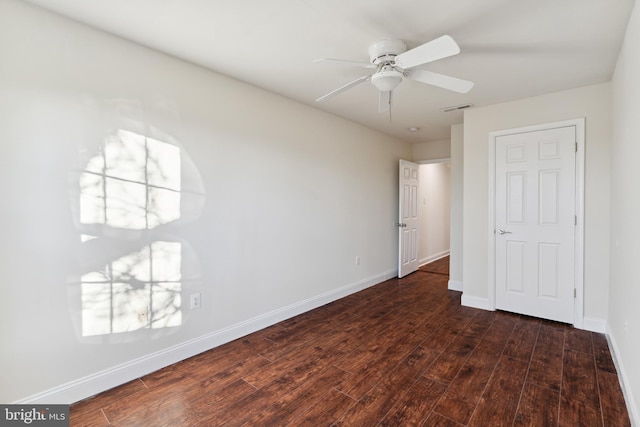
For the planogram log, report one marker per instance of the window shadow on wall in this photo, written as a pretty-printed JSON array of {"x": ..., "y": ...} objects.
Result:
[{"x": 128, "y": 203}]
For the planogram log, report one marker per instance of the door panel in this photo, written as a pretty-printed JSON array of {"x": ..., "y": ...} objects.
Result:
[
  {"x": 517, "y": 192},
  {"x": 549, "y": 270},
  {"x": 515, "y": 266},
  {"x": 408, "y": 215},
  {"x": 535, "y": 223}
]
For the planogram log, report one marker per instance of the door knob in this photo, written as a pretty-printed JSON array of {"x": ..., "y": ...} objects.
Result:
[
  {"x": 501, "y": 231},
  {"x": 401, "y": 224}
]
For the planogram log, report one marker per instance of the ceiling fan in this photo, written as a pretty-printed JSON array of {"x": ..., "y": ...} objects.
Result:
[{"x": 393, "y": 63}]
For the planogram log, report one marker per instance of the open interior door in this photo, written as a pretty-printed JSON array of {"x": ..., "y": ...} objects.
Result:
[{"x": 408, "y": 218}]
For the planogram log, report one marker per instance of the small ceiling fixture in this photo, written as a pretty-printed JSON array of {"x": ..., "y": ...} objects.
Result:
[{"x": 414, "y": 129}]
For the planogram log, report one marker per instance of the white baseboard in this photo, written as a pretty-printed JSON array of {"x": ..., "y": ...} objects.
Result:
[
  {"x": 98, "y": 382},
  {"x": 634, "y": 415},
  {"x": 594, "y": 325},
  {"x": 433, "y": 257},
  {"x": 476, "y": 302},
  {"x": 455, "y": 285}
]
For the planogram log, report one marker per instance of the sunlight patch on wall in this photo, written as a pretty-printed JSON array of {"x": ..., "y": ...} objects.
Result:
[
  {"x": 133, "y": 184},
  {"x": 128, "y": 202},
  {"x": 139, "y": 290}
]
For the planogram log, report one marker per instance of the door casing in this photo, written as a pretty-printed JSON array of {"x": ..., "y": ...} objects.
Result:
[{"x": 579, "y": 203}]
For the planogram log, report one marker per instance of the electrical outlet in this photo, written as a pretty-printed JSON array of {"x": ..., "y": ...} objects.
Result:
[
  {"x": 195, "y": 300},
  {"x": 357, "y": 260},
  {"x": 143, "y": 314}
]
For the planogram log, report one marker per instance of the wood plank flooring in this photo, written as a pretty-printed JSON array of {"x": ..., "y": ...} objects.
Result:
[
  {"x": 402, "y": 353},
  {"x": 439, "y": 266}
]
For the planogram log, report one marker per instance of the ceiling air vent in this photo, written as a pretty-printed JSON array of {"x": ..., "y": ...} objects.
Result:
[{"x": 456, "y": 108}]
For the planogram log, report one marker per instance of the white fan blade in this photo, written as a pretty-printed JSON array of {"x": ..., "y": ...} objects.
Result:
[
  {"x": 346, "y": 62},
  {"x": 343, "y": 88},
  {"x": 384, "y": 103},
  {"x": 442, "y": 47},
  {"x": 440, "y": 80}
]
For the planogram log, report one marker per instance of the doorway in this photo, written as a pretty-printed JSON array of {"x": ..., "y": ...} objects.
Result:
[
  {"x": 536, "y": 220},
  {"x": 435, "y": 211},
  {"x": 424, "y": 213}
]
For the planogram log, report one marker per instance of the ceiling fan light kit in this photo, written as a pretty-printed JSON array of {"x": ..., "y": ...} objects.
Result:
[
  {"x": 386, "y": 80},
  {"x": 394, "y": 63}
]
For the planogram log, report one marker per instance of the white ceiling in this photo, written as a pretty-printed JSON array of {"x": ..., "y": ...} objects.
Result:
[{"x": 511, "y": 49}]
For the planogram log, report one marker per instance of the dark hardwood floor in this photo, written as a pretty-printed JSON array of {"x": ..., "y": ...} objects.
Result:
[
  {"x": 402, "y": 353},
  {"x": 439, "y": 266}
]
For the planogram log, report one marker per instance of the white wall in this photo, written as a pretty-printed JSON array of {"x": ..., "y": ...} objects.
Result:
[
  {"x": 455, "y": 239},
  {"x": 431, "y": 150},
  {"x": 291, "y": 196},
  {"x": 623, "y": 323},
  {"x": 593, "y": 103},
  {"x": 434, "y": 211}
]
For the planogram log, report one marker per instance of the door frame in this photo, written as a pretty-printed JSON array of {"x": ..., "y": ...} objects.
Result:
[{"x": 579, "y": 123}]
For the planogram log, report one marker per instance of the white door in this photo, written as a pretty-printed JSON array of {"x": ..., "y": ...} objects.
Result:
[
  {"x": 408, "y": 214},
  {"x": 535, "y": 219}
]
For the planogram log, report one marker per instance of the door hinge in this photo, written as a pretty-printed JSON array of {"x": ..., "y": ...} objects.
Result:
[
  {"x": 575, "y": 220},
  {"x": 574, "y": 293},
  {"x": 576, "y": 147}
]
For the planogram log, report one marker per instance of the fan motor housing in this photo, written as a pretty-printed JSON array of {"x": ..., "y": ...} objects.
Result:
[{"x": 385, "y": 51}]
